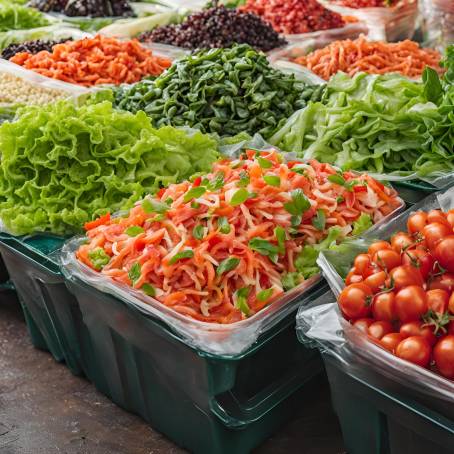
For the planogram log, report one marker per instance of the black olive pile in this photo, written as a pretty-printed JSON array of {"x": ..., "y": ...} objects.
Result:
[
  {"x": 217, "y": 27},
  {"x": 92, "y": 8},
  {"x": 32, "y": 47}
]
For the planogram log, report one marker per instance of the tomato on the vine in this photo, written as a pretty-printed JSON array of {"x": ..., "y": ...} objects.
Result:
[
  {"x": 416, "y": 222},
  {"x": 354, "y": 301},
  {"x": 444, "y": 281},
  {"x": 437, "y": 216},
  {"x": 451, "y": 304},
  {"x": 401, "y": 241},
  {"x": 363, "y": 324},
  {"x": 405, "y": 275},
  {"x": 415, "y": 349},
  {"x": 450, "y": 217},
  {"x": 437, "y": 300},
  {"x": 390, "y": 341},
  {"x": 443, "y": 354},
  {"x": 416, "y": 328},
  {"x": 378, "y": 246},
  {"x": 353, "y": 278},
  {"x": 376, "y": 281},
  {"x": 386, "y": 259},
  {"x": 435, "y": 232},
  {"x": 384, "y": 307},
  {"x": 444, "y": 253},
  {"x": 379, "y": 329},
  {"x": 361, "y": 263},
  {"x": 411, "y": 303},
  {"x": 420, "y": 259}
]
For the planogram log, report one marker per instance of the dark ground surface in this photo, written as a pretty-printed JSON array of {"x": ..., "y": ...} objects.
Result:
[{"x": 44, "y": 409}]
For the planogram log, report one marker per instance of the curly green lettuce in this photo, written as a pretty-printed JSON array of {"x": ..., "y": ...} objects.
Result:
[
  {"x": 64, "y": 165},
  {"x": 18, "y": 17}
]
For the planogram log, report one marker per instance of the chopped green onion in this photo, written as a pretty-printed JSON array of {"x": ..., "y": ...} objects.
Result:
[{"x": 98, "y": 258}]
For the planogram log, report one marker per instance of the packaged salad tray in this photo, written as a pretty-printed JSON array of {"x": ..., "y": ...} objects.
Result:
[{"x": 377, "y": 411}]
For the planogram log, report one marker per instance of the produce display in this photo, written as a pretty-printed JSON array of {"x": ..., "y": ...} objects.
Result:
[
  {"x": 63, "y": 165},
  {"x": 400, "y": 292},
  {"x": 93, "y": 8},
  {"x": 94, "y": 61},
  {"x": 221, "y": 248},
  {"x": 227, "y": 91},
  {"x": 32, "y": 47},
  {"x": 16, "y": 90},
  {"x": 367, "y": 3},
  {"x": 372, "y": 57},
  {"x": 18, "y": 17},
  {"x": 379, "y": 123},
  {"x": 294, "y": 16},
  {"x": 217, "y": 27}
]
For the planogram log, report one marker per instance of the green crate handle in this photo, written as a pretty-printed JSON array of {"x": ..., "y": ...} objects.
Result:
[{"x": 235, "y": 413}]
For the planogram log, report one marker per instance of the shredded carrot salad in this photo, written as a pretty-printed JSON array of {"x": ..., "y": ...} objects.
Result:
[
  {"x": 94, "y": 61},
  {"x": 217, "y": 249},
  {"x": 373, "y": 57}
]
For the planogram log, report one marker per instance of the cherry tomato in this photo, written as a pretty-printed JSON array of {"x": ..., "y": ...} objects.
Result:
[
  {"x": 405, "y": 275},
  {"x": 384, "y": 307},
  {"x": 437, "y": 300},
  {"x": 451, "y": 304},
  {"x": 376, "y": 281},
  {"x": 435, "y": 232},
  {"x": 420, "y": 259},
  {"x": 354, "y": 301},
  {"x": 416, "y": 328},
  {"x": 450, "y": 217},
  {"x": 401, "y": 241},
  {"x": 387, "y": 259},
  {"x": 444, "y": 253},
  {"x": 379, "y": 329},
  {"x": 363, "y": 324},
  {"x": 416, "y": 222},
  {"x": 445, "y": 282},
  {"x": 353, "y": 278},
  {"x": 378, "y": 246},
  {"x": 390, "y": 341},
  {"x": 444, "y": 356},
  {"x": 411, "y": 303},
  {"x": 437, "y": 216},
  {"x": 415, "y": 349},
  {"x": 362, "y": 261}
]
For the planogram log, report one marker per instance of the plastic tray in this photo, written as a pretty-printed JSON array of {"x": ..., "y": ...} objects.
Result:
[
  {"x": 414, "y": 191},
  {"x": 204, "y": 402},
  {"x": 53, "y": 319},
  {"x": 378, "y": 420}
]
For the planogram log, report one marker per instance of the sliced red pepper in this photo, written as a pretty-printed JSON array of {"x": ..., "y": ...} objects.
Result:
[
  {"x": 214, "y": 240},
  {"x": 161, "y": 192},
  {"x": 97, "y": 222},
  {"x": 197, "y": 182},
  {"x": 360, "y": 188}
]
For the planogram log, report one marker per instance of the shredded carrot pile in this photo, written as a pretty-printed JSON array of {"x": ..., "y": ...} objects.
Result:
[
  {"x": 94, "y": 61},
  {"x": 217, "y": 249},
  {"x": 373, "y": 57}
]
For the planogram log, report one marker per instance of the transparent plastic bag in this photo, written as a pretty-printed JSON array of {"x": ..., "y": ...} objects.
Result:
[
  {"x": 394, "y": 23},
  {"x": 349, "y": 31},
  {"x": 321, "y": 325},
  {"x": 438, "y": 23}
]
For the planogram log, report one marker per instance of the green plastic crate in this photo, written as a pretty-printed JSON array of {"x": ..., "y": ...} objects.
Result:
[
  {"x": 414, "y": 191},
  {"x": 51, "y": 312},
  {"x": 203, "y": 402},
  {"x": 378, "y": 417}
]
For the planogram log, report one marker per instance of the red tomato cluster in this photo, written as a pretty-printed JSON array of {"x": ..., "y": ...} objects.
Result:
[
  {"x": 367, "y": 3},
  {"x": 294, "y": 16},
  {"x": 401, "y": 293}
]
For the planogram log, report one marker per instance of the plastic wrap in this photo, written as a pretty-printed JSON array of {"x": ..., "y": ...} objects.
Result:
[
  {"x": 438, "y": 23},
  {"x": 349, "y": 31},
  {"x": 320, "y": 324},
  {"x": 394, "y": 23}
]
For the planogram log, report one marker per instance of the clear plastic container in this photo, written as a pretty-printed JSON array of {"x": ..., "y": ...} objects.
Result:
[
  {"x": 394, "y": 23},
  {"x": 438, "y": 23},
  {"x": 230, "y": 339}
]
